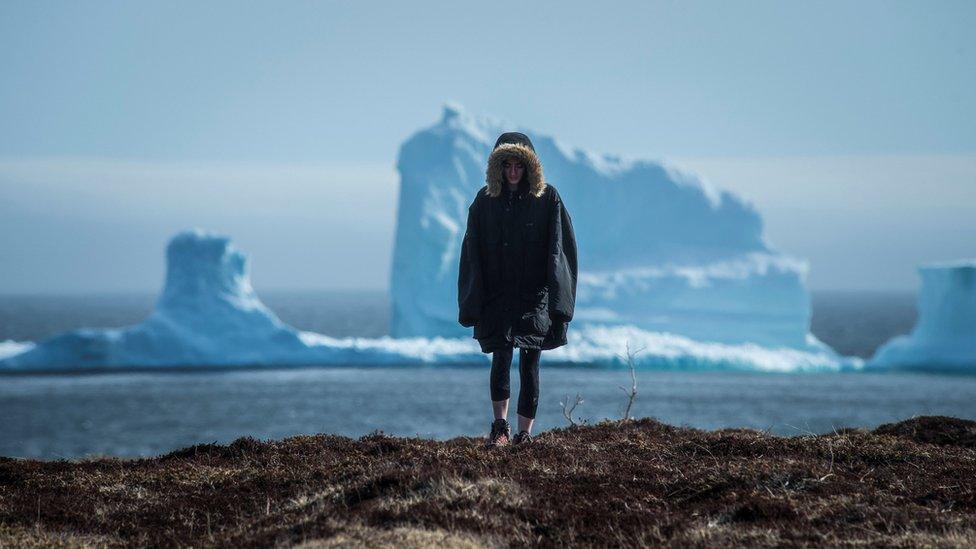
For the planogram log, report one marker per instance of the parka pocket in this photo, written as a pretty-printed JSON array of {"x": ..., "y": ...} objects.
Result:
[
  {"x": 535, "y": 312},
  {"x": 490, "y": 312},
  {"x": 532, "y": 232}
]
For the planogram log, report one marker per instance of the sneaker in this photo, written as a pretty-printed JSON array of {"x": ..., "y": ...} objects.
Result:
[
  {"x": 522, "y": 436},
  {"x": 501, "y": 433}
]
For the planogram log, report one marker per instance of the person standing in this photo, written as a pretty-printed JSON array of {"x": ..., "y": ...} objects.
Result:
[{"x": 517, "y": 276}]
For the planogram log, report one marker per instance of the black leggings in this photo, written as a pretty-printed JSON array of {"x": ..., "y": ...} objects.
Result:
[{"x": 501, "y": 365}]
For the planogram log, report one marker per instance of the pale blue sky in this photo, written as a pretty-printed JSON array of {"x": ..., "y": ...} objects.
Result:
[{"x": 818, "y": 112}]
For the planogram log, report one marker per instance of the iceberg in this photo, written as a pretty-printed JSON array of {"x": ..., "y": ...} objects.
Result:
[
  {"x": 659, "y": 249},
  {"x": 944, "y": 337},
  {"x": 208, "y": 314}
]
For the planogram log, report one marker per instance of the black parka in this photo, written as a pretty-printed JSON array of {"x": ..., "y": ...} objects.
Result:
[{"x": 517, "y": 272}]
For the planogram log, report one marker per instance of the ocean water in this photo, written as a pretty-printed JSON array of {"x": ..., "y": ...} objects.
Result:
[
  {"x": 147, "y": 413},
  {"x": 141, "y": 414}
]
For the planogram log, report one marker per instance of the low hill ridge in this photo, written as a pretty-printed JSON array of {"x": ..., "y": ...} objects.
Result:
[{"x": 623, "y": 483}]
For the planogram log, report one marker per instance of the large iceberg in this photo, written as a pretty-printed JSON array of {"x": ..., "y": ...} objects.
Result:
[
  {"x": 944, "y": 337},
  {"x": 659, "y": 249}
]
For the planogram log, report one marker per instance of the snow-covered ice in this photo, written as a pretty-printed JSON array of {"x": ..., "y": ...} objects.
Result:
[
  {"x": 944, "y": 337},
  {"x": 11, "y": 348}
]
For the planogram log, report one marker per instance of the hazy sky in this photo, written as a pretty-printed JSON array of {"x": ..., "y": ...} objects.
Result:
[{"x": 850, "y": 125}]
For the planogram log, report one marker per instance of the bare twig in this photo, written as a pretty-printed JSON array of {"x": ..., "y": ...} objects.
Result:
[
  {"x": 568, "y": 410},
  {"x": 632, "y": 393},
  {"x": 830, "y": 471}
]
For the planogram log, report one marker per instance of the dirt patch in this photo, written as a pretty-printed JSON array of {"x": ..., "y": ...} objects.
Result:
[
  {"x": 394, "y": 538},
  {"x": 943, "y": 430}
]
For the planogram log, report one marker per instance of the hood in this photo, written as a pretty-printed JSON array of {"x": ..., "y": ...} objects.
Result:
[{"x": 514, "y": 145}]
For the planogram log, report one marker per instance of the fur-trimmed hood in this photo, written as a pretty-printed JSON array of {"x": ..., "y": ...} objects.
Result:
[{"x": 519, "y": 147}]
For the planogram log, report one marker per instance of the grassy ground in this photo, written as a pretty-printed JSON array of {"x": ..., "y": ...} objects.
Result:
[{"x": 631, "y": 483}]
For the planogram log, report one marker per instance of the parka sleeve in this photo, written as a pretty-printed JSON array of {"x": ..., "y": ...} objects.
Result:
[
  {"x": 561, "y": 270},
  {"x": 470, "y": 285}
]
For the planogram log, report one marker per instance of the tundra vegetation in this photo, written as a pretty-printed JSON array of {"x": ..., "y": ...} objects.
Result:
[{"x": 633, "y": 483}]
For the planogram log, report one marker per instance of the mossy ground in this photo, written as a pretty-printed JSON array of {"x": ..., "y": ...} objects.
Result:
[{"x": 636, "y": 483}]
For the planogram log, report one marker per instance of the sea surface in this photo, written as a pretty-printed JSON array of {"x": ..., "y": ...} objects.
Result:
[{"x": 144, "y": 414}]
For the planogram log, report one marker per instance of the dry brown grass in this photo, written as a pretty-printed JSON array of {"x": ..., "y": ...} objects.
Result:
[{"x": 636, "y": 483}]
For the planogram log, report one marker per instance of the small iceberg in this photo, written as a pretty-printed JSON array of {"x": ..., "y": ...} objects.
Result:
[{"x": 944, "y": 338}]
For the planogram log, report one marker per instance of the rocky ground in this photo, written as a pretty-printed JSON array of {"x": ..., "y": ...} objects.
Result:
[{"x": 622, "y": 483}]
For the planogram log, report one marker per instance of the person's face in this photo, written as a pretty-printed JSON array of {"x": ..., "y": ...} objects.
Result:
[{"x": 513, "y": 170}]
